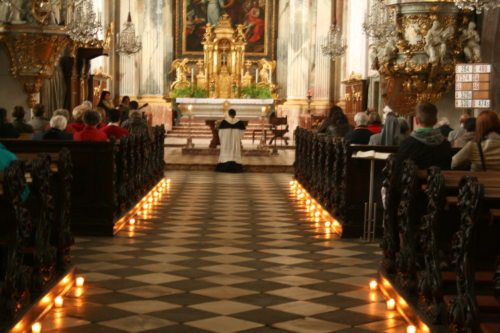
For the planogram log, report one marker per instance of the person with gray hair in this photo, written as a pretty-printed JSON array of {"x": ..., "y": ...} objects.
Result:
[
  {"x": 361, "y": 134},
  {"x": 57, "y": 130}
]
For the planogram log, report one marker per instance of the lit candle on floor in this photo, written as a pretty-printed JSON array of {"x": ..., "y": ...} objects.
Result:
[
  {"x": 391, "y": 304},
  {"x": 36, "y": 327},
  {"x": 80, "y": 281},
  {"x": 373, "y": 285},
  {"x": 411, "y": 329},
  {"x": 58, "y": 302}
]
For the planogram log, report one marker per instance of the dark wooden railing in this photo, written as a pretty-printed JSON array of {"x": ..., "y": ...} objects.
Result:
[
  {"x": 441, "y": 244},
  {"x": 109, "y": 177},
  {"x": 35, "y": 234},
  {"x": 323, "y": 165}
]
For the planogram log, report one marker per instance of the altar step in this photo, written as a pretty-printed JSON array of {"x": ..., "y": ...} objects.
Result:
[{"x": 201, "y": 131}]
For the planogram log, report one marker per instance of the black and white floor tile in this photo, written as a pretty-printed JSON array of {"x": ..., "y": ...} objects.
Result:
[{"x": 225, "y": 253}]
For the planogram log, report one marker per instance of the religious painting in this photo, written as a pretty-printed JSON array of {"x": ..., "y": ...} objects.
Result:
[{"x": 257, "y": 17}]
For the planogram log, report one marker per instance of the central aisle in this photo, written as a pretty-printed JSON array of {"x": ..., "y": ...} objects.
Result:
[{"x": 225, "y": 253}]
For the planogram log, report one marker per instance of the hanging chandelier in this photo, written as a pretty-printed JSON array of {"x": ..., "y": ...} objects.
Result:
[
  {"x": 379, "y": 22},
  {"x": 85, "y": 24},
  {"x": 127, "y": 42},
  {"x": 335, "y": 45},
  {"x": 477, "y": 5}
]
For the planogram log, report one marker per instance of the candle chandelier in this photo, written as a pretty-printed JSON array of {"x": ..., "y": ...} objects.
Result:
[
  {"x": 334, "y": 45},
  {"x": 379, "y": 22},
  {"x": 478, "y": 5},
  {"x": 85, "y": 24},
  {"x": 127, "y": 42}
]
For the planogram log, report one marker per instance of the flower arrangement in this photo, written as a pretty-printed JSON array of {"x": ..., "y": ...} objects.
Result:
[{"x": 254, "y": 91}]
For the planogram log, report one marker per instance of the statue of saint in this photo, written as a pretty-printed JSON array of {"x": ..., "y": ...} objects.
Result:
[
  {"x": 180, "y": 67},
  {"x": 470, "y": 40},
  {"x": 4, "y": 11},
  {"x": 386, "y": 51},
  {"x": 224, "y": 83},
  {"x": 213, "y": 10},
  {"x": 435, "y": 42}
]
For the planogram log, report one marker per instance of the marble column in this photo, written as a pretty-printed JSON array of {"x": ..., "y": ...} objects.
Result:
[
  {"x": 128, "y": 78},
  {"x": 297, "y": 62},
  {"x": 152, "y": 55},
  {"x": 321, "y": 63},
  {"x": 282, "y": 49}
]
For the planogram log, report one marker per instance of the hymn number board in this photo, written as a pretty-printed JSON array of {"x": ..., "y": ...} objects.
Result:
[{"x": 473, "y": 86}]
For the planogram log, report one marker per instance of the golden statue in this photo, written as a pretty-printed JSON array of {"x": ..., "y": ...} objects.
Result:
[
  {"x": 201, "y": 78},
  {"x": 181, "y": 70},
  {"x": 224, "y": 69},
  {"x": 224, "y": 83}
]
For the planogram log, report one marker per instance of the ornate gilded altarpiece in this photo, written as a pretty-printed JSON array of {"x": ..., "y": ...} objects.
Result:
[{"x": 258, "y": 17}]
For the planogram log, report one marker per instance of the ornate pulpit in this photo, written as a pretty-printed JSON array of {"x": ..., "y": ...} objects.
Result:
[{"x": 356, "y": 95}]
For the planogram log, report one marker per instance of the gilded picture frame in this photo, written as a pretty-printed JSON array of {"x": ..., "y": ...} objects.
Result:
[{"x": 258, "y": 16}]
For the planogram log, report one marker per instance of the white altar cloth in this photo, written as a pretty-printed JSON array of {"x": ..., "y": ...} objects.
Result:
[{"x": 213, "y": 108}]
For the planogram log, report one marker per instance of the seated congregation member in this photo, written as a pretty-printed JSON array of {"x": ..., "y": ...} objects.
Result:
[
  {"x": 57, "y": 130},
  {"x": 404, "y": 129},
  {"x": 336, "y": 124},
  {"x": 65, "y": 114},
  {"x": 124, "y": 108},
  {"x": 426, "y": 146},
  {"x": 90, "y": 132},
  {"x": 104, "y": 116},
  {"x": 113, "y": 129},
  {"x": 39, "y": 123},
  {"x": 231, "y": 131},
  {"x": 374, "y": 122},
  {"x": 19, "y": 122},
  {"x": 469, "y": 128},
  {"x": 361, "y": 134},
  {"x": 136, "y": 125},
  {"x": 7, "y": 130},
  {"x": 456, "y": 133},
  {"x": 483, "y": 153},
  {"x": 444, "y": 126},
  {"x": 105, "y": 102},
  {"x": 390, "y": 134},
  {"x": 77, "y": 125}
]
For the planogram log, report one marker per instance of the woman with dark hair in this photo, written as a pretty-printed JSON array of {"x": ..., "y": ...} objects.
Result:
[
  {"x": 105, "y": 102},
  {"x": 483, "y": 153},
  {"x": 336, "y": 123},
  {"x": 7, "y": 130},
  {"x": 19, "y": 123}
]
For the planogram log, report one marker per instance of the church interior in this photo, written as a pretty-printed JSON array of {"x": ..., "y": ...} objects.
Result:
[{"x": 258, "y": 166}]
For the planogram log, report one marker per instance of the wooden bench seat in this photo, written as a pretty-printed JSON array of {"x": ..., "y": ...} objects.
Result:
[{"x": 108, "y": 177}]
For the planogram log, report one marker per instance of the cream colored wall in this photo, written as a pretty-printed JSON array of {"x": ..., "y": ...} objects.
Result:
[{"x": 11, "y": 91}]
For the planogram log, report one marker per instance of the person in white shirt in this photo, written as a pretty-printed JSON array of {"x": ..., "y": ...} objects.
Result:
[{"x": 231, "y": 132}]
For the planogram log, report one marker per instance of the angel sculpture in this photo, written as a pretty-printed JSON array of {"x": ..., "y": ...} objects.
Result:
[
  {"x": 207, "y": 36},
  {"x": 470, "y": 40},
  {"x": 266, "y": 69},
  {"x": 435, "y": 42},
  {"x": 180, "y": 68}
]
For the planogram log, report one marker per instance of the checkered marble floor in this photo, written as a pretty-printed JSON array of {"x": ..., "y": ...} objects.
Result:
[{"x": 225, "y": 253}]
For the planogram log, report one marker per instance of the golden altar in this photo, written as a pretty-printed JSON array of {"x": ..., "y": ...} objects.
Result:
[{"x": 223, "y": 72}]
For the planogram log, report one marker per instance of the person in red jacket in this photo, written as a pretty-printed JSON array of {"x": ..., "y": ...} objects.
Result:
[
  {"x": 90, "y": 132},
  {"x": 113, "y": 129}
]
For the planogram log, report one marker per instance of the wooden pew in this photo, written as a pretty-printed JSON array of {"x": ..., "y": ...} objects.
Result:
[
  {"x": 35, "y": 238},
  {"x": 108, "y": 177},
  {"x": 442, "y": 260}
]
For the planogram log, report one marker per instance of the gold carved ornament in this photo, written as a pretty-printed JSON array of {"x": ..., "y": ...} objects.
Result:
[
  {"x": 33, "y": 58},
  {"x": 419, "y": 78}
]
